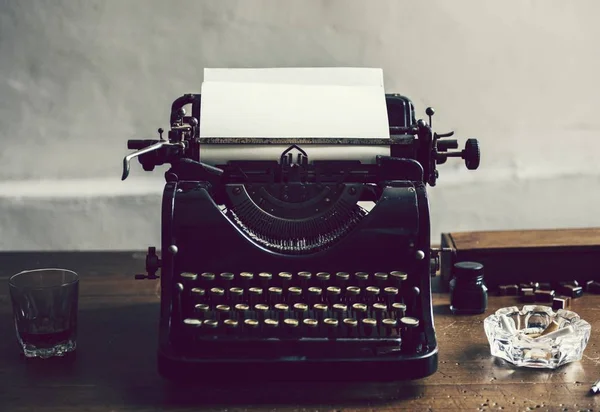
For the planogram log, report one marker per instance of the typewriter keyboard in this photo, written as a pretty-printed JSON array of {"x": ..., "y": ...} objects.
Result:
[{"x": 372, "y": 309}]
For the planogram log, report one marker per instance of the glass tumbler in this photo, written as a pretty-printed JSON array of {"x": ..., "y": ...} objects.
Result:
[{"x": 45, "y": 303}]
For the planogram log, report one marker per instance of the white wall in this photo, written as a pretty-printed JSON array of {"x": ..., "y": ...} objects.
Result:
[{"x": 79, "y": 78}]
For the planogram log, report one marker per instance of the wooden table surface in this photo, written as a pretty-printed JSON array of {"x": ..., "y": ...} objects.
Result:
[{"x": 114, "y": 369}]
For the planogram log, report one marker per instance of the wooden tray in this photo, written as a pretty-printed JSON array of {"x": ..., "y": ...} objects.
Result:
[{"x": 520, "y": 256}]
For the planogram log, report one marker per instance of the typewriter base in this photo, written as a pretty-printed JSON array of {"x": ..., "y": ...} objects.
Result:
[{"x": 390, "y": 369}]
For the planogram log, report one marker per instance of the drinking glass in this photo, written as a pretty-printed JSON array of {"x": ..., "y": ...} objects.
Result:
[{"x": 44, "y": 303}]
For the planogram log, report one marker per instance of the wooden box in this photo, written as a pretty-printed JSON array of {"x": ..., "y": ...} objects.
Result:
[{"x": 521, "y": 256}]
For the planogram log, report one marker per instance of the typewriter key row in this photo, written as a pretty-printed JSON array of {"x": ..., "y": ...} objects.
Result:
[
  {"x": 329, "y": 328},
  {"x": 294, "y": 294},
  {"x": 332, "y": 316},
  {"x": 227, "y": 280}
]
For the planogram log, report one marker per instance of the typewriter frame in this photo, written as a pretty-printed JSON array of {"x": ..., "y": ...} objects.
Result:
[{"x": 414, "y": 153}]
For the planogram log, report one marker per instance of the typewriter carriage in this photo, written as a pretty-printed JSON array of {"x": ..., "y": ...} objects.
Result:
[{"x": 269, "y": 216}]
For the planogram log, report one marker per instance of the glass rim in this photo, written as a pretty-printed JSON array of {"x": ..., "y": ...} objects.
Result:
[{"x": 70, "y": 282}]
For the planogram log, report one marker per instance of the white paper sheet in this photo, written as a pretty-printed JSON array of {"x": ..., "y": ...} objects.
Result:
[
  {"x": 293, "y": 103},
  {"x": 332, "y": 76}
]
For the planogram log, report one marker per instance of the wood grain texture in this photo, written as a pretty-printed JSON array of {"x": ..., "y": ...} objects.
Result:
[
  {"x": 508, "y": 239},
  {"x": 114, "y": 369}
]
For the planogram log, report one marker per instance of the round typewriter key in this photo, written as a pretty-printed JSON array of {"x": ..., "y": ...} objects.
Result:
[
  {"x": 391, "y": 294},
  {"x": 255, "y": 295},
  {"x": 243, "y": 310},
  {"x": 281, "y": 309},
  {"x": 311, "y": 327},
  {"x": 399, "y": 310},
  {"x": 380, "y": 278},
  {"x": 351, "y": 327},
  {"x": 230, "y": 323},
  {"x": 284, "y": 279},
  {"x": 230, "y": 326},
  {"x": 261, "y": 310},
  {"x": 194, "y": 323},
  {"x": 389, "y": 326},
  {"x": 251, "y": 326},
  {"x": 188, "y": 276},
  {"x": 409, "y": 322},
  {"x": 251, "y": 322},
  {"x": 246, "y": 279},
  {"x": 372, "y": 292},
  {"x": 339, "y": 309},
  {"x": 275, "y": 294},
  {"x": 331, "y": 325},
  {"x": 323, "y": 278},
  {"x": 201, "y": 309},
  {"x": 235, "y": 295},
  {"x": 210, "y": 324},
  {"x": 226, "y": 279},
  {"x": 410, "y": 341},
  {"x": 361, "y": 278},
  {"x": 368, "y": 326},
  {"x": 360, "y": 310},
  {"x": 320, "y": 310},
  {"x": 294, "y": 294},
  {"x": 304, "y": 279},
  {"x": 352, "y": 293},
  {"x": 271, "y": 325},
  {"x": 301, "y": 309},
  {"x": 207, "y": 278},
  {"x": 226, "y": 276},
  {"x": 291, "y": 326},
  {"x": 198, "y": 294},
  {"x": 314, "y": 294},
  {"x": 265, "y": 279},
  {"x": 397, "y": 277},
  {"x": 216, "y": 295},
  {"x": 295, "y": 291},
  {"x": 333, "y": 294},
  {"x": 222, "y": 311},
  {"x": 342, "y": 278},
  {"x": 379, "y": 309}
]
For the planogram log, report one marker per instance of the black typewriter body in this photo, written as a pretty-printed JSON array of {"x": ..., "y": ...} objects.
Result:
[{"x": 275, "y": 269}]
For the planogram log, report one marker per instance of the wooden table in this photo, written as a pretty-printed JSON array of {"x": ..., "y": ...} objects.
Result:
[{"x": 114, "y": 369}]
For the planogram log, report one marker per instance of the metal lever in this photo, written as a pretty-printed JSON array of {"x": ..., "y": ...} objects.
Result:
[
  {"x": 148, "y": 149},
  {"x": 435, "y": 258}
]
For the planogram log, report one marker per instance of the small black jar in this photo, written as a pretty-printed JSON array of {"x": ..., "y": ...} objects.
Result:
[{"x": 468, "y": 292}]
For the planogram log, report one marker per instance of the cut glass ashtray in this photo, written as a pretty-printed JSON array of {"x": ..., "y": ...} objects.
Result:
[{"x": 536, "y": 336}]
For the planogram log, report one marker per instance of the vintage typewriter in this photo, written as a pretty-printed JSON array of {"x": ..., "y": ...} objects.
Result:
[{"x": 274, "y": 270}]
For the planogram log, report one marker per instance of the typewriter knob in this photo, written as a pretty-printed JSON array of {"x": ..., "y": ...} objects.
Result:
[
  {"x": 430, "y": 112},
  {"x": 472, "y": 154}
]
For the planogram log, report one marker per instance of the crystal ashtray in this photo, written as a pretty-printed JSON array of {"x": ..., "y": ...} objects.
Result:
[{"x": 536, "y": 336}]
